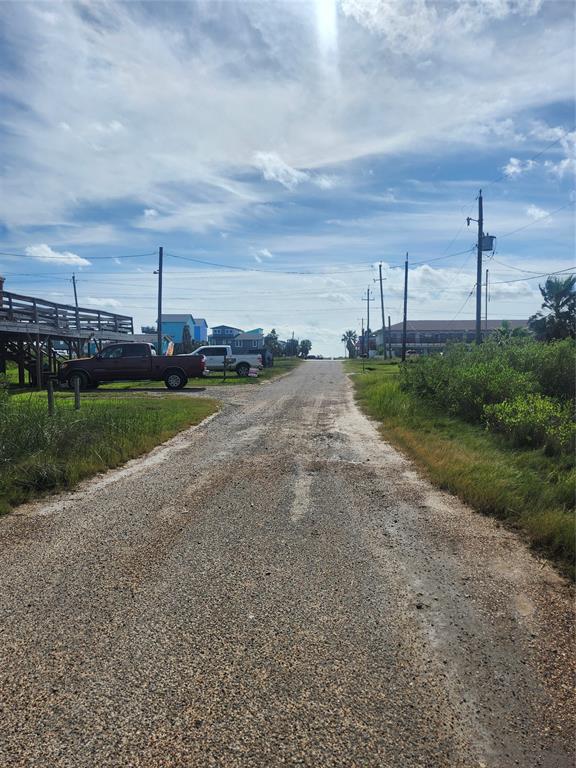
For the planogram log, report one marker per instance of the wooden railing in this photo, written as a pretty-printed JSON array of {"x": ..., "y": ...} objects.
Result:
[{"x": 15, "y": 308}]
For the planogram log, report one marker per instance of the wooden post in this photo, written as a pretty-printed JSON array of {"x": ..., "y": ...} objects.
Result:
[
  {"x": 21, "y": 369},
  {"x": 224, "y": 366},
  {"x": 50, "y": 387},
  {"x": 38, "y": 362},
  {"x": 76, "y": 393}
]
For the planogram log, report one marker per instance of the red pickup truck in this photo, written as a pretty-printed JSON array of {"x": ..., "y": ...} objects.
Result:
[{"x": 131, "y": 361}]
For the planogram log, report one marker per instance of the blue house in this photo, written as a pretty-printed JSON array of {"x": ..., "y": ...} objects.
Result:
[
  {"x": 179, "y": 327},
  {"x": 248, "y": 341},
  {"x": 200, "y": 330},
  {"x": 223, "y": 334}
]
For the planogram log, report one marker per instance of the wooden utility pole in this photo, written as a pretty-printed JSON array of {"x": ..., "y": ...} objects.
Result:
[
  {"x": 368, "y": 298},
  {"x": 389, "y": 338},
  {"x": 479, "y": 271},
  {"x": 486, "y": 304},
  {"x": 159, "y": 273},
  {"x": 363, "y": 342},
  {"x": 75, "y": 291},
  {"x": 382, "y": 309},
  {"x": 405, "y": 315}
]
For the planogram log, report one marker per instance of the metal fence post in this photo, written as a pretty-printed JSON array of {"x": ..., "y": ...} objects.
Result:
[
  {"x": 50, "y": 388},
  {"x": 76, "y": 393}
]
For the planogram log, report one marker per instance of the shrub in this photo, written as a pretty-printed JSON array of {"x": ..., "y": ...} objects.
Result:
[
  {"x": 534, "y": 420},
  {"x": 464, "y": 381},
  {"x": 467, "y": 378}
]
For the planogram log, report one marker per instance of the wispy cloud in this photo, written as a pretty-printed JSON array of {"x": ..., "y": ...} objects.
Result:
[{"x": 43, "y": 252}]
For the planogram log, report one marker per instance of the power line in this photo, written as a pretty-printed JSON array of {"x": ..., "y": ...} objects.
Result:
[
  {"x": 536, "y": 277},
  {"x": 536, "y": 221},
  {"x": 49, "y": 259},
  {"x": 503, "y": 174}
]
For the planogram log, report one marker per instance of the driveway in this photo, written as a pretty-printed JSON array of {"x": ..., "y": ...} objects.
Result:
[{"x": 278, "y": 587}]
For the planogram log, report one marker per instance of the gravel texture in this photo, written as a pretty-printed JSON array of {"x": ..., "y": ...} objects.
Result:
[{"x": 278, "y": 587}]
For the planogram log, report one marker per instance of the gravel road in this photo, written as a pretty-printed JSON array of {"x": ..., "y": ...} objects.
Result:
[{"x": 278, "y": 587}]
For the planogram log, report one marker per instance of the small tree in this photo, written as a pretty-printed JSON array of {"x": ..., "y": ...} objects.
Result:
[
  {"x": 304, "y": 347},
  {"x": 271, "y": 342},
  {"x": 350, "y": 338},
  {"x": 559, "y": 296},
  {"x": 291, "y": 348},
  {"x": 505, "y": 334}
]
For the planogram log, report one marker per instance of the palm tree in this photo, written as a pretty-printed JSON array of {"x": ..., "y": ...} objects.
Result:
[
  {"x": 504, "y": 334},
  {"x": 349, "y": 338},
  {"x": 559, "y": 294}
]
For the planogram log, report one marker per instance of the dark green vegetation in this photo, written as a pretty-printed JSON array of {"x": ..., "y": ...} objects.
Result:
[
  {"x": 558, "y": 318},
  {"x": 39, "y": 453},
  {"x": 523, "y": 473},
  {"x": 522, "y": 389}
]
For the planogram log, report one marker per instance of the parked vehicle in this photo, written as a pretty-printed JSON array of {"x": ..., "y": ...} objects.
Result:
[
  {"x": 240, "y": 363},
  {"x": 132, "y": 361}
]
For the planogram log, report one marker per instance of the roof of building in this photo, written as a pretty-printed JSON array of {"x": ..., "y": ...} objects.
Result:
[
  {"x": 455, "y": 325},
  {"x": 200, "y": 321},
  {"x": 248, "y": 335},
  {"x": 228, "y": 327},
  {"x": 177, "y": 318}
]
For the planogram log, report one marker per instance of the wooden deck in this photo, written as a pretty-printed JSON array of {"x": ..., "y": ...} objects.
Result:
[{"x": 33, "y": 331}]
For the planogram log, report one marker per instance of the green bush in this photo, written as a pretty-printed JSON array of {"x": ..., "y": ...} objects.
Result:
[
  {"x": 464, "y": 383},
  {"x": 534, "y": 420},
  {"x": 467, "y": 378}
]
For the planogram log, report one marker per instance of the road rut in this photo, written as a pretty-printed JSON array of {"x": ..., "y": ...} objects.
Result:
[{"x": 275, "y": 587}]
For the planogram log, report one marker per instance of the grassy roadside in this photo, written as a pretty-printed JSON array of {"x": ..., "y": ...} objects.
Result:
[
  {"x": 39, "y": 453},
  {"x": 529, "y": 490}
]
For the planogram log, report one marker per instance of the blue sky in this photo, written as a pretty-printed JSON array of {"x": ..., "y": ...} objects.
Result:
[{"x": 282, "y": 138}]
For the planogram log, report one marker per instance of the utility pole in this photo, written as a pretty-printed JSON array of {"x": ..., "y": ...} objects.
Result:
[
  {"x": 480, "y": 248},
  {"x": 78, "y": 350},
  {"x": 382, "y": 308},
  {"x": 405, "y": 316},
  {"x": 389, "y": 338},
  {"x": 159, "y": 273},
  {"x": 486, "y": 304},
  {"x": 363, "y": 342},
  {"x": 479, "y": 271},
  {"x": 368, "y": 298}
]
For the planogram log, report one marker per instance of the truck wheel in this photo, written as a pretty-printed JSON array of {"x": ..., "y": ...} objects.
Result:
[
  {"x": 242, "y": 369},
  {"x": 82, "y": 380},
  {"x": 175, "y": 380}
]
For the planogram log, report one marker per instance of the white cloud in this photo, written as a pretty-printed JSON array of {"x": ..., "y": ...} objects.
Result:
[
  {"x": 275, "y": 169},
  {"x": 156, "y": 111},
  {"x": 102, "y": 302},
  {"x": 150, "y": 213},
  {"x": 417, "y": 27},
  {"x": 43, "y": 252},
  {"x": 337, "y": 298},
  {"x": 534, "y": 212},
  {"x": 515, "y": 167}
]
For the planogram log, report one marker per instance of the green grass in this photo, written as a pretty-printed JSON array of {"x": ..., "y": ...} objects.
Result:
[
  {"x": 39, "y": 453},
  {"x": 527, "y": 489},
  {"x": 216, "y": 378}
]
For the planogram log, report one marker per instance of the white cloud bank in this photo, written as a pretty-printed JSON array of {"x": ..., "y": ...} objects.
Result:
[
  {"x": 44, "y": 253},
  {"x": 203, "y": 98}
]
